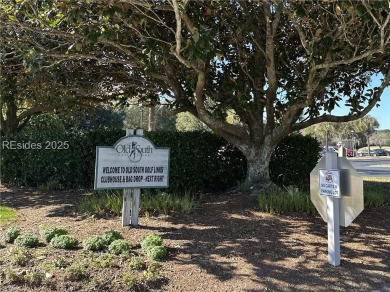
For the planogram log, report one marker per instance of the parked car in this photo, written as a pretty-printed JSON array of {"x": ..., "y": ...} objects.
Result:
[
  {"x": 362, "y": 153},
  {"x": 350, "y": 153},
  {"x": 379, "y": 152}
]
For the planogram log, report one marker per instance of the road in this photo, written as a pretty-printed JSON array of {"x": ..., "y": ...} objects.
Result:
[{"x": 372, "y": 166}]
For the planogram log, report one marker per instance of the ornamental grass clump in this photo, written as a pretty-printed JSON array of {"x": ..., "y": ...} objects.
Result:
[
  {"x": 64, "y": 241},
  {"x": 27, "y": 240},
  {"x": 48, "y": 234}
]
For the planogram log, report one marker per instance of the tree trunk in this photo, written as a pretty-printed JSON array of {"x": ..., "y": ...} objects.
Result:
[{"x": 258, "y": 159}]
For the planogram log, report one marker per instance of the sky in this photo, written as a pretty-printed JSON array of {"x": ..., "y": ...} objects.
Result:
[{"x": 381, "y": 113}]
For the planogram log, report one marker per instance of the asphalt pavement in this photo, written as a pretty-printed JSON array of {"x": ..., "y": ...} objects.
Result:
[{"x": 372, "y": 166}]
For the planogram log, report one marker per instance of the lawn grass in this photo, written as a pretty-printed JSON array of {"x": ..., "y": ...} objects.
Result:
[
  {"x": 376, "y": 191},
  {"x": 7, "y": 214}
]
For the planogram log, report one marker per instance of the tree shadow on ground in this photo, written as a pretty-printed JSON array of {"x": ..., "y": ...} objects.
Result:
[
  {"x": 282, "y": 249},
  {"x": 64, "y": 202}
]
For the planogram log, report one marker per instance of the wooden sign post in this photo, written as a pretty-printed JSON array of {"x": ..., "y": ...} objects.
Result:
[{"x": 131, "y": 164}]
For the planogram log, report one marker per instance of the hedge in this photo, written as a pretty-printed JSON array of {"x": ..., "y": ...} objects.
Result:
[{"x": 198, "y": 160}]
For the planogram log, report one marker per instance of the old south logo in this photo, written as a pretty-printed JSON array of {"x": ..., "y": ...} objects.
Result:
[{"x": 133, "y": 151}]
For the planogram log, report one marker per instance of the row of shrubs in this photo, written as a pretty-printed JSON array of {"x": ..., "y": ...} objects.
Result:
[
  {"x": 112, "y": 241},
  {"x": 198, "y": 160}
]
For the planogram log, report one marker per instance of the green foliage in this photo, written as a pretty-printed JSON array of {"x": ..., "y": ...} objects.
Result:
[
  {"x": 186, "y": 122},
  {"x": 13, "y": 277},
  {"x": 94, "y": 243},
  {"x": 48, "y": 233},
  {"x": 137, "y": 263},
  {"x": 111, "y": 236},
  {"x": 151, "y": 240},
  {"x": 286, "y": 201},
  {"x": 19, "y": 256},
  {"x": 104, "y": 260},
  {"x": 293, "y": 160},
  {"x": 34, "y": 278},
  {"x": 26, "y": 240},
  {"x": 46, "y": 123},
  {"x": 129, "y": 280},
  {"x": 164, "y": 203},
  {"x": 11, "y": 234},
  {"x": 64, "y": 242},
  {"x": 198, "y": 161},
  {"x": 152, "y": 272},
  {"x": 156, "y": 252},
  {"x": 76, "y": 272},
  {"x": 374, "y": 195},
  {"x": 61, "y": 262},
  {"x": 7, "y": 214},
  {"x": 109, "y": 201},
  {"x": 119, "y": 246},
  {"x": 152, "y": 246}
]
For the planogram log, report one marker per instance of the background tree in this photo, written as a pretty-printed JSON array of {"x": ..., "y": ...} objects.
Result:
[
  {"x": 280, "y": 65},
  {"x": 366, "y": 126},
  {"x": 381, "y": 138},
  {"x": 138, "y": 117},
  {"x": 186, "y": 122}
]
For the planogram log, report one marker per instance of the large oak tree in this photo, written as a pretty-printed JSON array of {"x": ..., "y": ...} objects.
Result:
[{"x": 278, "y": 65}]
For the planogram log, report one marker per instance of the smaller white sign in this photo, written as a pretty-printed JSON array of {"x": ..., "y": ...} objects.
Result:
[{"x": 330, "y": 182}]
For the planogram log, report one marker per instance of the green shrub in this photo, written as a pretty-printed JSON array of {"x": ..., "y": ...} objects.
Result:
[
  {"x": 156, "y": 252},
  {"x": 212, "y": 164},
  {"x": 61, "y": 262},
  {"x": 119, "y": 246},
  {"x": 64, "y": 241},
  {"x": 47, "y": 234},
  {"x": 19, "y": 256},
  {"x": 94, "y": 243},
  {"x": 76, "y": 272},
  {"x": 151, "y": 240},
  {"x": 13, "y": 277},
  {"x": 137, "y": 263},
  {"x": 111, "y": 236},
  {"x": 34, "y": 278},
  {"x": 293, "y": 160},
  {"x": 152, "y": 272},
  {"x": 129, "y": 280},
  {"x": 11, "y": 234},
  {"x": 26, "y": 240}
]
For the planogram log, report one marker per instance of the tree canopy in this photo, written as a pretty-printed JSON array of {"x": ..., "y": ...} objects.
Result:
[{"x": 280, "y": 65}]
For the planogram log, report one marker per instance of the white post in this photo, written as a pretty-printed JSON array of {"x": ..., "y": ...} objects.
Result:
[
  {"x": 333, "y": 217},
  {"x": 126, "y": 196},
  {"x": 136, "y": 194},
  {"x": 126, "y": 207}
]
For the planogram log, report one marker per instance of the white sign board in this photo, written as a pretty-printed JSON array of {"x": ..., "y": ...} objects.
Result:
[
  {"x": 329, "y": 182},
  {"x": 133, "y": 162}
]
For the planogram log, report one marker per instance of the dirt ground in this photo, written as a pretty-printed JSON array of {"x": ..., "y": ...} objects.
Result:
[{"x": 225, "y": 244}]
